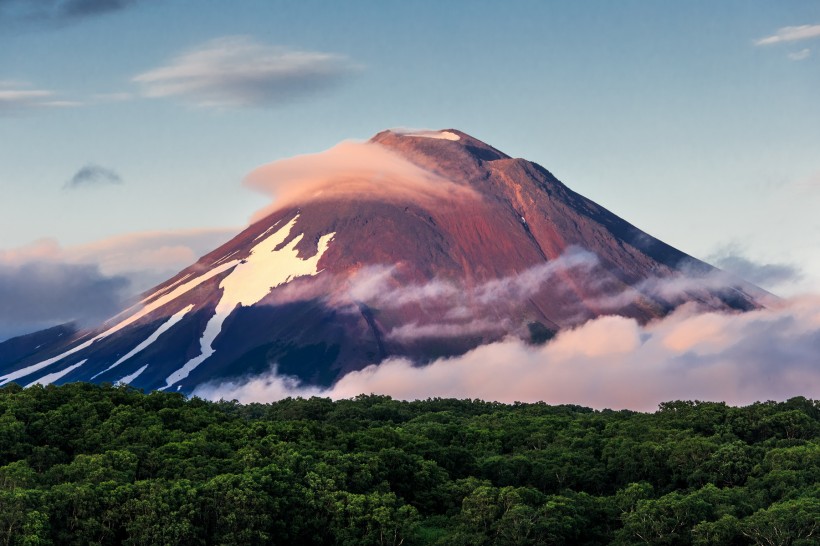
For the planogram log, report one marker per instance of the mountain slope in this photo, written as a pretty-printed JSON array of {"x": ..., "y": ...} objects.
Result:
[{"x": 412, "y": 244}]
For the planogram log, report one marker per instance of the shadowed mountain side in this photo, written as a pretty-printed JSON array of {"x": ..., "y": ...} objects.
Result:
[{"x": 20, "y": 347}]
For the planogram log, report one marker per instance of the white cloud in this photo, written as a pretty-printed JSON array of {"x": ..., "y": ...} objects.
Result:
[
  {"x": 732, "y": 258},
  {"x": 112, "y": 97},
  {"x": 18, "y": 97},
  {"x": 609, "y": 362},
  {"x": 407, "y": 332},
  {"x": 800, "y": 55},
  {"x": 791, "y": 34},
  {"x": 24, "y": 95},
  {"x": 457, "y": 309},
  {"x": 353, "y": 170},
  {"x": 453, "y": 309},
  {"x": 237, "y": 71}
]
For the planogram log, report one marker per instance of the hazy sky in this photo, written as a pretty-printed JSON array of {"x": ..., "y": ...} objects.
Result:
[{"x": 699, "y": 122}]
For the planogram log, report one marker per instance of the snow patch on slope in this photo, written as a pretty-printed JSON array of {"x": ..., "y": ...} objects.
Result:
[
  {"x": 163, "y": 290},
  {"x": 129, "y": 378},
  {"x": 52, "y": 377},
  {"x": 267, "y": 230},
  {"x": 149, "y": 308},
  {"x": 440, "y": 135},
  {"x": 225, "y": 257},
  {"x": 164, "y": 327},
  {"x": 28, "y": 370},
  {"x": 253, "y": 279}
]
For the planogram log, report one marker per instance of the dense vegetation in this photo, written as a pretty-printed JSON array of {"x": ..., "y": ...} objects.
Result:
[{"x": 83, "y": 464}]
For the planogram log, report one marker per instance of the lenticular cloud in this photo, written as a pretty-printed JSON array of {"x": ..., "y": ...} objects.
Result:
[
  {"x": 360, "y": 170},
  {"x": 608, "y": 362}
]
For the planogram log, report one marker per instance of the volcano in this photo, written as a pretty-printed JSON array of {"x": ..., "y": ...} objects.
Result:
[{"x": 413, "y": 244}]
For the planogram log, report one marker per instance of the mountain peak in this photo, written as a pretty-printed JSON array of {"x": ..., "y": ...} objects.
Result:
[{"x": 436, "y": 143}]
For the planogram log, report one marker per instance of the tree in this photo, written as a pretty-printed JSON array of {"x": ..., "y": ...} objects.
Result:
[
  {"x": 668, "y": 520},
  {"x": 791, "y": 522}
]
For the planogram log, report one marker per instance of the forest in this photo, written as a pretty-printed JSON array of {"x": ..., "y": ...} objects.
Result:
[{"x": 83, "y": 464}]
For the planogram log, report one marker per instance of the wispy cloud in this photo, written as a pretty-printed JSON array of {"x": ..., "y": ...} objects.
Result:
[
  {"x": 19, "y": 97},
  {"x": 800, "y": 55},
  {"x": 93, "y": 175},
  {"x": 791, "y": 34},
  {"x": 237, "y": 71},
  {"x": 607, "y": 362},
  {"x": 413, "y": 331},
  {"x": 732, "y": 258},
  {"x": 455, "y": 309},
  {"x": 59, "y": 11},
  {"x": 85, "y": 8},
  {"x": 112, "y": 97}
]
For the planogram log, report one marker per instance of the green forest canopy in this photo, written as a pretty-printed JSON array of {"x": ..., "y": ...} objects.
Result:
[{"x": 84, "y": 464}]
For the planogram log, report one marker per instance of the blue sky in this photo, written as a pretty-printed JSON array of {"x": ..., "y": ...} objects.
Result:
[{"x": 697, "y": 121}]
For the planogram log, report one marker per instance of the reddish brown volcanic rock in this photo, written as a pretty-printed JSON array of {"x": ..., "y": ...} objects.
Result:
[{"x": 438, "y": 245}]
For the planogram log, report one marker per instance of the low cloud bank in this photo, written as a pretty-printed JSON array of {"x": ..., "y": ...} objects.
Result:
[
  {"x": 463, "y": 310},
  {"x": 40, "y": 294},
  {"x": 608, "y": 362},
  {"x": 375, "y": 285},
  {"x": 44, "y": 284}
]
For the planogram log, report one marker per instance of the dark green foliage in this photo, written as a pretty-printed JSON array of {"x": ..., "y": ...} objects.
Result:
[{"x": 83, "y": 464}]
